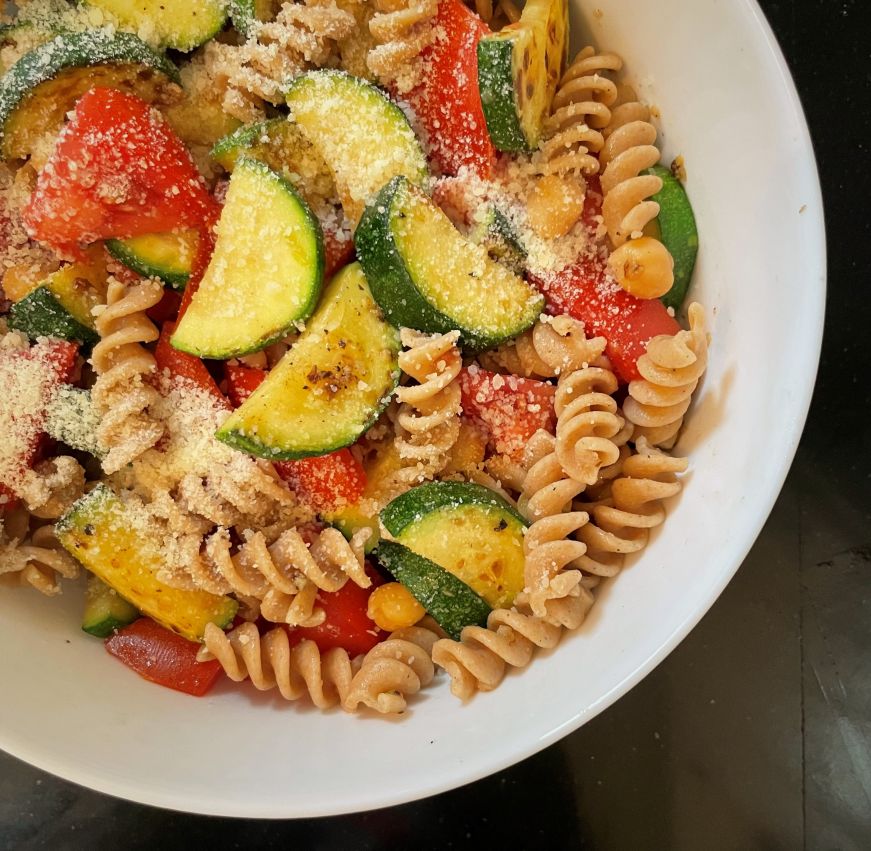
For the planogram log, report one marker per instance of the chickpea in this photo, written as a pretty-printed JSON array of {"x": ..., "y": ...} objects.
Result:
[
  {"x": 393, "y": 607},
  {"x": 643, "y": 267}
]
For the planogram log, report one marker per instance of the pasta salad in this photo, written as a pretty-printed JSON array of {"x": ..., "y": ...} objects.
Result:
[{"x": 338, "y": 338}]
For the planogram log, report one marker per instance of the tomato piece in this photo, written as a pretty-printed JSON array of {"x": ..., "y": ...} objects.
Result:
[
  {"x": 167, "y": 308},
  {"x": 162, "y": 657},
  {"x": 347, "y": 623},
  {"x": 242, "y": 381},
  {"x": 447, "y": 102},
  {"x": 586, "y": 291},
  {"x": 337, "y": 252},
  {"x": 117, "y": 170},
  {"x": 183, "y": 365},
  {"x": 510, "y": 408},
  {"x": 202, "y": 257},
  {"x": 325, "y": 482}
]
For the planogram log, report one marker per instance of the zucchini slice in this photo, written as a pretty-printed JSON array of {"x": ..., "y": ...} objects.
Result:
[
  {"x": 102, "y": 534},
  {"x": 519, "y": 68},
  {"x": 71, "y": 418},
  {"x": 675, "y": 227},
  {"x": 246, "y": 13},
  {"x": 332, "y": 384},
  {"x": 451, "y": 603},
  {"x": 498, "y": 235},
  {"x": 179, "y": 24},
  {"x": 42, "y": 87},
  {"x": 361, "y": 134},
  {"x": 105, "y": 610},
  {"x": 266, "y": 272},
  {"x": 467, "y": 529},
  {"x": 426, "y": 275},
  {"x": 168, "y": 256}
]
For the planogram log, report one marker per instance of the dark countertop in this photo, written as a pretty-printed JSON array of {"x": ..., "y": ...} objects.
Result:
[{"x": 756, "y": 732}]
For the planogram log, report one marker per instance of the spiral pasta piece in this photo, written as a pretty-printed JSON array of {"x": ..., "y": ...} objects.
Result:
[
  {"x": 628, "y": 151},
  {"x": 587, "y": 422},
  {"x": 270, "y": 662},
  {"x": 670, "y": 371},
  {"x": 579, "y": 112},
  {"x": 477, "y": 662},
  {"x": 302, "y": 36},
  {"x": 33, "y": 556},
  {"x": 392, "y": 670},
  {"x": 496, "y": 15},
  {"x": 52, "y": 486},
  {"x": 284, "y": 576},
  {"x": 428, "y": 418},
  {"x": 622, "y": 522},
  {"x": 401, "y": 29},
  {"x": 121, "y": 394}
]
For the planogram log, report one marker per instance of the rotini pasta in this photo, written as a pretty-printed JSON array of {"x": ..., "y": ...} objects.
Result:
[
  {"x": 401, "y": 29},
  {"x": 671, "y": 369},
  {"x": 31, "y": 556},
  {"x": 121, "y": 394},
  {"x": 52, "y": 486}
]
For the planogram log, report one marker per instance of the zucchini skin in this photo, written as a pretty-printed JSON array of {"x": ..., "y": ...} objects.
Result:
[
  {"x": 40, "y": 314},
  {"x": 122, "y": 252},
  {"x": 496, "y": 87},
  {"x": 678, "y": 232},
  {"x": 452, "y": 603},
  {"x": 413, "y": 505},
  {"x": 389, "y": 281}
]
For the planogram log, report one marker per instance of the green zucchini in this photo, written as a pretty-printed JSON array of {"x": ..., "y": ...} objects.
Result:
[
  {"x": 40, "y": 314},
  {"x": 496, "y": 233},
  {"x": 332, "y": 384},
  {"x": 361, "y": 134},
  {"x": 426, "y": 275},
  {"x": 41, "y": 88},
  {"x": 467, "y": 529},
  {"x": 246, "y": 13},
  {"x": 519, "y": 68},
  {"x": 107, "y": 537},
  {"x": 179, "y": 24},
  {"x": 168, "y": 256},
  {"x": 675, "y": 227},
  {"x": 71, "y": 418},
  {"x": 105, "y": 610},
  {"x": 266, "y": 272},
  {"x": 450, "y": 602}
]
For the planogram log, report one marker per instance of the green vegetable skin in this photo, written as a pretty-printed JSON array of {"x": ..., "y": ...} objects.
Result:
[
  {"x": 468, "y": 530},
  {"x": 245, "y": 13},
  {"x": 40, "y": 314},
  {"x": 450, "y": 602},
  {"x": 168, "y": 256},
  {"x": 39, "y": 89},
  {"x": 676, "y": 224},
  {"x": 425, "y": 274},
  {"x": 105, "y": 610}
]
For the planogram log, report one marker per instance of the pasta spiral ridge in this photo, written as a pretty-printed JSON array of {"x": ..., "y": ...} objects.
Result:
[
  {"x": 52, "y": 486},
  {"x": 34, "y": 557},
  {"x": 284, "y": 576},
  {"x": 629, "y": 149},
  {"x": 401, "y": 29},
  {"x": 428, "y": 418},
  {"x": 477, "y": 662},
  {"x": 579, "y": 111},
  {"x": 397, "y": 667},
  {"x": 622, "y": 522},
  {"x": 121, "y": 394},
  {"x": 498, "y": 14},
  {"x": 270, "y": 662},
  {"x": 670, "y": 371}
]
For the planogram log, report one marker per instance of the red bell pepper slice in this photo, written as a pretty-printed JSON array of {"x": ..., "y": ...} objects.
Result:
[
  {"x": 510, "y": 408},
  {"x": 182, "y": 365},
  {"x": 162, "y": 657},
  {"x": 338, "y": 252},
  {"x": 325, "y": 482},
  {"x": 242, "y": 381},
  {"x": 447, "y": 101},
  {"x": 346, "y": 623},
  {"x": 202, "y": 258},
  {"x": 587, "y": 292},
  {"x": 59, "y": 360},
  {"x": 117, "y": 170}
]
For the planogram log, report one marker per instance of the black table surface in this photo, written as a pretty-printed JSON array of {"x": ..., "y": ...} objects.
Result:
[{"x": 756, "y": 732}]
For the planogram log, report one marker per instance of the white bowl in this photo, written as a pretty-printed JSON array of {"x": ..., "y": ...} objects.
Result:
[{"x": 728, "y": 104}]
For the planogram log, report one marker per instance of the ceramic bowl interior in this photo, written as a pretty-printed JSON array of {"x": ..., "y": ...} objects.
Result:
[{"x": 728, "y": 105}]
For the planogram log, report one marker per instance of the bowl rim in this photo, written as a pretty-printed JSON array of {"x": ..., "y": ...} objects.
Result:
[{"x": 522, "y": 748}]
